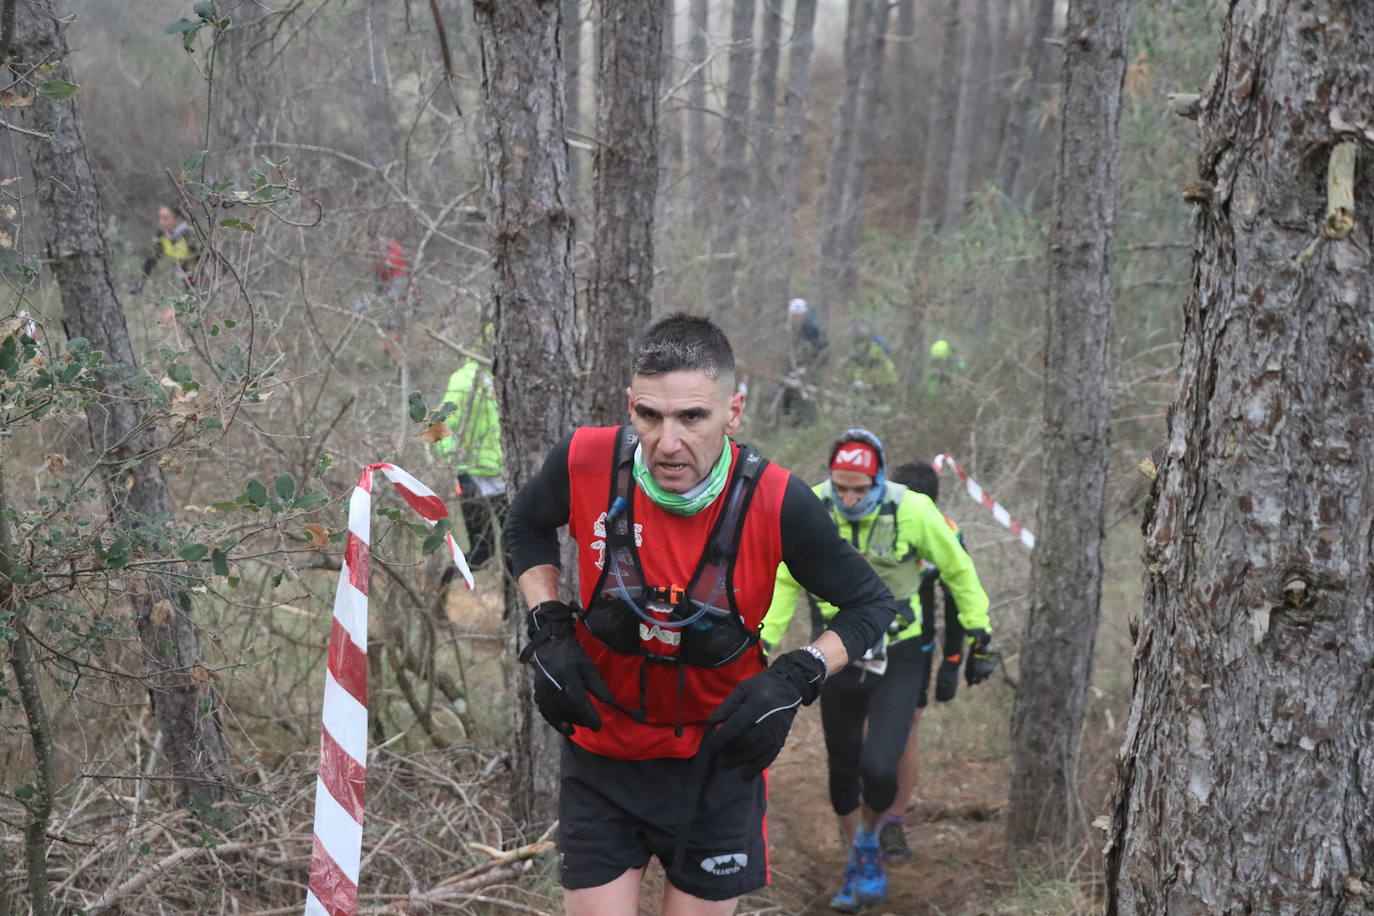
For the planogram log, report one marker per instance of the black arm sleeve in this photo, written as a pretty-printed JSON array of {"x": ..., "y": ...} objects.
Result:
[
  {"x": 539, "y": 509},
  {"x": 826, "y": 565}
]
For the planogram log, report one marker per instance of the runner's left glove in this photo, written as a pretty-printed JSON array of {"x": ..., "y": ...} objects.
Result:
[
  {"x": 982, "y": 658},
  {"x": 563, "y": 675},
  {"x": 756, "y": 716}
]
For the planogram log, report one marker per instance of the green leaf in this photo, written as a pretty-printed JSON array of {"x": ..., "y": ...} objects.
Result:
[
  {"x": 311, "y": 499},
  {"x": 324, "y": 463},
  {"x": 237, "y": 224},
  {"x": 58, "y": 90},
  {"x": 205, "y": 9},
  {"x": 285, "y": 486},
  {"x": 219, "y": 561},
  {"x": 212, "y": 423},
  {"x": 224, "y": 506},
  {"x": 193, "y": 553},
  {"x": 417, "y": 406},
  {"x": 194, "y": 160},
  {"x": 25, "y": 792},
  {"x": 182, "y": 26},
  {"x": 257, "y": 492},
  {"x": 9, "y": 355}
]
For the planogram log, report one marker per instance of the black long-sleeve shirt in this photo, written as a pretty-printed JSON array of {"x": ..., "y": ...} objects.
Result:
[{"x": 822, "y": 562}]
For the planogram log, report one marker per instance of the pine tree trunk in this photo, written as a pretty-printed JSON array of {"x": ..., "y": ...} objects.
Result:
[
  {"x": 1031, "y": 90},
  {"x": 789, "y": 156},
  {"x": 1247, "y": 773},
  {"x": 940, "y": 122},
  {"x": 1066, "y": 572},
  {"x": 905, "y": 80},
  {"x": 629, "y": 51},
  {"x": 698, "y": 165},
  {"x": 963, "y": 146},
  {"x": 844, "y": 151},
  {"x": 535, "y": 364},
  {"x": 766, "y": 236},
  {"x": 379, "y": 125},
  {"x": 732, "y": 180},
  {"x": 571, "y": 43},
  {"x": 80, "y": 260},
  {"x": 866, "y": 134}
]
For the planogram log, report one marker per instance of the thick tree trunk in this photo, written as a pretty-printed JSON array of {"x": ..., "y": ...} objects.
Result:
[
  {"x": 836, "y": 205},
  {"x": 237, "y": 115},
  {"x": 535, "y": 365},
  {"x": 779, "y": 268},
  {"x": 732, "y": 180},
  {"x": 765, "y": 233},
  {"x": 866, "y": 134},
  {"x": 1247, "y": 772},
  {"x": 1031, "y": 89},
  {"x": 379, "y": 124},
  {"x": 940, "y": 121},
  {"x": 80, "y": 262},
  {"x": 1066, "y": 573},
  {"x": 967, "y": 122},
  {"x": 698, "y": 157},
  {"x": 571, "y": 44},
  {"x": 904, "y": 79},
  {"x": 629, "y": 51}
]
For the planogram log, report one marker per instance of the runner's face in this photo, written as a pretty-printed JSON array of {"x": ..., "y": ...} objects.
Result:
[
  {"x": 166, "y": 219},
  {"x": 682, "y": 419},
  {"x": 850, "y": 486}
]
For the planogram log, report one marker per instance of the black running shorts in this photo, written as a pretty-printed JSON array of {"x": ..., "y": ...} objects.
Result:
[{"x": 614, "y": 814}]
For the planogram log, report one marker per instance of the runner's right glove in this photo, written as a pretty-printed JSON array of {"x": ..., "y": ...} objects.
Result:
[
  {"x": 756, "y": 716},
  {"x": 563, "y": 675},
  {"x": 947, "y": 679},
  {"x": 982, "y": 658}
]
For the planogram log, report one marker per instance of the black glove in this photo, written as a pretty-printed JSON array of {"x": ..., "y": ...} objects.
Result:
[
  {"x": 756, "y": 716},
  {"x": 982, "y": 658},
  {"x": 563, "y": 675},
  {"x": 947, "y": 679}
]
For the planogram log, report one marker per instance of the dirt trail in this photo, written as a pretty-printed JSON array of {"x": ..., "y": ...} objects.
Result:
[{"x": 955, "y": 829}]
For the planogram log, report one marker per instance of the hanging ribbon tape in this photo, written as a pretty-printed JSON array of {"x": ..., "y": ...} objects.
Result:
[
  {"x": 343, "y": 739},
  {"x": 976, "y": 493}
]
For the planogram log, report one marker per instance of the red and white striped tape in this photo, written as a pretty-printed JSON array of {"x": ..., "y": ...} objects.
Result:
[
  {"x": 339, "y": 783},
  {"x": 987, "y": 502}
]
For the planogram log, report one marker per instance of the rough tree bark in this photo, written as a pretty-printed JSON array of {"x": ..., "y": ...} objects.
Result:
[
  {"x": 571, "y": 43},
  {"x": 968, "y": 117},
  {"x": 698, "y": 157},
  {"x": 778, "y": 267},
  {"x": 940, "y": 122},
  {"x": 1247, "y": 771},
  {"x": 905, "y": 79},
  {"x": 379, "y": 125},
  {"x": 629, "y": 51},
  {"x": 1031, "y": 88},
  {"x": 866, "y": 134},
  {"x": 80, "y": 260},
  {"x": 843, "y": 151},
  {"x": 763, "y": 229},
  {"x": 236, "y": 111},
  {"x": 535, "y": 359},
  {"x": 732, "y": 179},
  {"x": 1066, "y": 568}
]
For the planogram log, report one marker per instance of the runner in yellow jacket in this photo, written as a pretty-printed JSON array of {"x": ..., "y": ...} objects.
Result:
[{"x": 867, "y": 709}]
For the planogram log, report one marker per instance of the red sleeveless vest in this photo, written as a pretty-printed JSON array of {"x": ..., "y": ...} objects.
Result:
[{"x": 669, "y": 547}]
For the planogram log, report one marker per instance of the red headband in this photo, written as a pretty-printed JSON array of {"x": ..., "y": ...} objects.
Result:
[{"x": 855, "y": 456}]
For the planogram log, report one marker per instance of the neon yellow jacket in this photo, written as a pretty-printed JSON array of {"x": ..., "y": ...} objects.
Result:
[
  {"x": 916, "y": 531},
  {"x": 475, "y": 446}
]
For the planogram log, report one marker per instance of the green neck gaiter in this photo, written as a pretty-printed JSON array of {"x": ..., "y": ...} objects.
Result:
[{"x": 695, "y": 499}]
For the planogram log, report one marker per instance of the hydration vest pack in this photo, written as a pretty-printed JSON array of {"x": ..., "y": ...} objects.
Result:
[{"x": 697, "y": 624}]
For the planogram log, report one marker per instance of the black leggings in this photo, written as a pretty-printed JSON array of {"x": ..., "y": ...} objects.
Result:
[
  {"x": 480, "y": 515},
  {"x": 867, "y": 764}
]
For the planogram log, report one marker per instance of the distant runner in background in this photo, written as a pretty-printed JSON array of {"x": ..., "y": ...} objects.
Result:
[
  {"x": 805, "y": 359},
  {"x": 867, "y": 708},
  {"x": 868, "y": 365},
  {"x": 176, "y": 241},
  {"x": 474, "y": 450}
]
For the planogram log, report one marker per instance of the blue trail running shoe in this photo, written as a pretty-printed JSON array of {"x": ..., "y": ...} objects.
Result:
[
  {"x": 870, "y": 882},
  {"x": 847, "y": 900}
]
